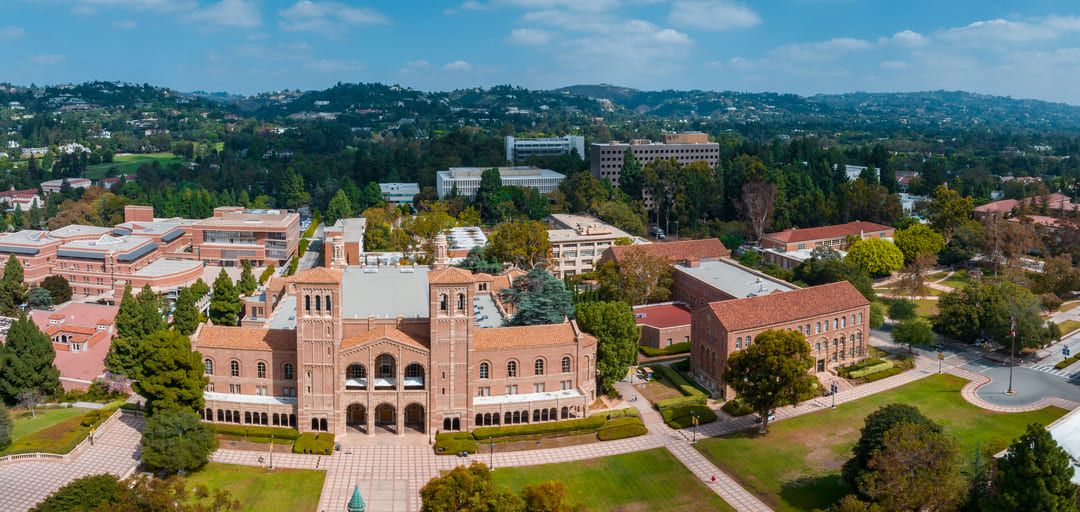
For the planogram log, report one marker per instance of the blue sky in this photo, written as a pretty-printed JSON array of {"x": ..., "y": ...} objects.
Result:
[{"x": 1022, "y": 49}]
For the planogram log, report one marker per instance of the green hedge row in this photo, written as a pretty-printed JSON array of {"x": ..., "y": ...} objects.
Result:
[
  {"x": 1067, "y": 362},
  {"x": 677, "y": 348},
  {"x": 619, "y": 424},
  {"x": 736, "y": 407},
  {"x": 284, "y": 434},
  {"x": 452, "y": 443},
  {"x": 591, "y": 423},
  {"x": 98, "y": 416},
  {"x": 310, "y": 442},
  {"x": 679, "y": 380},
  {"x": 681, "y": 401},
  {"x": 858, "y": 374},
  {"x": 882, "y": 374},
  {"x": 622, "y": 431},
  {"x": 310, "y": 231},
  {"x": 680, "y": 417},
  {"x": 843, "y": 372}
]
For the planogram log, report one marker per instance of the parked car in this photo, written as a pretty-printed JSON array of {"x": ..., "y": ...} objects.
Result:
[
  {"x": 657, "y": 232},
  {"x": 772, "y": 417}
]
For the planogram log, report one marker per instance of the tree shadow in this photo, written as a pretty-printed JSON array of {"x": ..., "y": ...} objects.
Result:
[{"x": 814, "y": 492}]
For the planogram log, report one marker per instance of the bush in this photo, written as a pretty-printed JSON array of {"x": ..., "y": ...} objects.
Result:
[
  {"x": 86, "y": 493},
  {"x": 455, "y": 446},
  {"x": 256, "y": 433},
  {"x": 293, "y": 263},
  {"x": 1067, "y": 362},
  {"x": 266, "y": 274},
  {"x": 882, "y": 374},
  {"x": 857, "y": 374},
  {"x": 843, "y": 372},
  {"x": 681, "y": 402},
  {"x": 318, "y": 443},
  {"x": 679, "y": 380},
  {"x": 682, "y": 366},
  {"x": 176, "y": 441},
  {"x": 303, "y": 247},
  {"x": 593, "y": 422},
  {"x": 680, "y": 417},
  {"x": 677, "y": 348},
  {"x": 736, "y": 407},
  {"x": 622, "y": 431}
]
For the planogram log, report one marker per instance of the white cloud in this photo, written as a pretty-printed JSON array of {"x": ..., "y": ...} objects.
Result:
[
  {"x": 8, "y": 33},
  {"x": 458, "y": 65},
  {"x": 532, "y": 36},
  {"x": 714, "y": 15},
  {"x": 820, "y": 50},
  {"x": 1000, "y": 31},
  {"x": 86, "y": 6},
  {"x": 46, "y": 59},
  {"x": 124, "y": 24},
  {"x": 894, "y": 64},
  {"x": 333, "y": 65},
  {"x": 909, "y": 38},
  {"x": 229, "y": 13},
  {"x": 327, "y": 17},
  {"x": 415, "y": 66}
]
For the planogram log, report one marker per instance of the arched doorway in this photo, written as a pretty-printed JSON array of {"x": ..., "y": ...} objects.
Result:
[
  {"x": 356, "y": 418},
  {"x": 386, "y": 417},
  {"x": 414, "y": 418}
]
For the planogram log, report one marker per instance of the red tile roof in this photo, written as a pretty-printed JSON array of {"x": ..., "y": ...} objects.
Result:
[
  {"x": 662, "y": 316},
  {"x": 318, "y": 275},
  {"x": 794, "y": 235},
  {"x": 450, "y": 275},
  {"x": 785, "y": 307},
  {"x": 500, "y": 338},
  {"x": 1003, "y": 206},
  {"x": 244, "y": 338},
  {"x": 384, "y": 332},
  {"x": 709, "y": 248}
]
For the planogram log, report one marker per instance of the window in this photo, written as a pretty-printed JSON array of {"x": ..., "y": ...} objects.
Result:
[
  {"x": 738, "y": 343},
  {"x": 511, "y": 368},
  {"x": 208, "y": 367},
  {"x": 538, "y": 387},
  {"x": 483, "y": 391},
  {"x": 566, "y": 384},
  {"x": 318, "y": 303},
  {"x": 819, "y": 328},
  {"x": 485, "y": 369},
  {"x": 443, "y": 302},
  {"x": 260, "y": 369},
  {"x": 538, "y": 367},
  {"x": 566, "y": 364},
  {"x": 287, "y": 371},
  {"x": 234, "y": 389},
  {"x": 234, "y": 368},
  {"x": 461, "y": 302},
  {"x": 511, "y": 389},
  {"x": 307, "y": 303},
  {"x": 327, "y": 303}
]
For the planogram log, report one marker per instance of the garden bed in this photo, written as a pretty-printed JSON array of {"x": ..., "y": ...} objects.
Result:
[
  {"x": 57, "y": 430},
  {"x": 605, "y": 426}
]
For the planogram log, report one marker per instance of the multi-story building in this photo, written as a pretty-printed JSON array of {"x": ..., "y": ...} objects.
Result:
[
  {"x": 834, "y": 318},
  {"x": 234, "y": 235},
  {"x": 395, "y": 349},
  {"x": 351, "y": 232},
  {"x": 20, "y": 199},
  {"x": 467, "y": 179},
  {"x": 81, "y": 335},
  {"x": 52, "y": 186},
  {"x": 578, "y": 241},
  {"x": 606, "y": 159},
  {"x": 663, "y": 325},
  {"x": 399, "y": 193},
  {"x": 791, "y": 247},
  {"x": 520, "y": 149}
]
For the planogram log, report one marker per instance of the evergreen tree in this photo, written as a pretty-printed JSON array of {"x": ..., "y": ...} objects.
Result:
[
  {"x": 170, "y": 376},
  {"x": 225, "y": 302},
  {"x": 1034, "y": 475},
  {"x": 872, "y": 437},
  {"x": 39, "y": 298},
  {"x": 293, "y": 192},
  {"x": 128, "y": 324},
  {"x": 12, "y": 289},
  {"x": 538, "y": 298},
  {"x": 34, "y": 218},
  {"x": 247, "y": 284},
  {"x": 27, "y": 362},
  {"x": 488, "y": 194},
  {"x": 630, "y": 179},
  {"x": 123, "y": 357},
  {"x": 340, "y": 207},
  {"x": 185, "y": 315},
  {"x": 17, "y": 220},
  {"x": 6, "y": 426},
  {"x": 58, "y": 287},
  {"x": 176, "y": 441},
  {"x": 617, "y": 336},
  {"x": 150, "y": 316}
]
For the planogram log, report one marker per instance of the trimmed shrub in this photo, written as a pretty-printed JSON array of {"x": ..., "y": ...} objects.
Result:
[
  {"x": 267, "y": 273},
  {"x": 593, "y": 422},
  {"x": 304, "y": 243},
  {"x": 682, "y": 366},
  {"x": 857, "y": 374},
  {"x": 453, "y": 443},
  {"x": 622, "y": 431},
  {"x": 1067, "y": 362},
  {"x": 260, "y": 434},
  {"x": 843, "y": 372},
  {"x": 677, "y": 348},
  {"x": 680, "y": 417},
  {"x": 678, "y": 380},
  {"x": 310, "y": 442},
  {"x": 882, "y": 374},
  {"x": 682, "y": 401},
  {"x": 736, "y": 407}
]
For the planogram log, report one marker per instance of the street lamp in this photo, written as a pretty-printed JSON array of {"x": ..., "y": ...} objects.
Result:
[
  {"x": 833, "y": 388},
  {"x": 271, "y": 452},
  {"x": 491, "y": 451},
  {"x": 1012, "y": 355},
  {"x": 694, "y": 421}
]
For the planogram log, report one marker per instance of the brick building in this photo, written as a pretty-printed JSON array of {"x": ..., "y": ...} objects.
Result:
[
  {"x": 791, "y": 247},
  {"x": 234, "y": 235},
  {"x": 663, "y": 325}
]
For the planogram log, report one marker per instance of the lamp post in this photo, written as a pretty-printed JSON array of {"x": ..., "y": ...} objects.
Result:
[
  {"x": 833, "y": 388},
  {"x": 491, "y": 452},
  {"x": 271, "y": 452},
  {"x": 694, "y": 421},
  {"x": 1012, "y": 355},
  {"x": 940, "y": 358}
]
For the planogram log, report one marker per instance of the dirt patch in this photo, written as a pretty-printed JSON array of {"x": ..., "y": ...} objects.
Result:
[
  {"x": 657, "y": 390},
  {"x": 823, "y": 458}
]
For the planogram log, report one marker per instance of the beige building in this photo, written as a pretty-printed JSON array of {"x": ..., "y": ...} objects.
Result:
[
  {"x": 606, "y": 159},
  {"x": 578, "y": 241}
]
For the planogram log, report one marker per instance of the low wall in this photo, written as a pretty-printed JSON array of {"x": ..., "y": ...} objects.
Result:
[{"x": 65, "y": 457}]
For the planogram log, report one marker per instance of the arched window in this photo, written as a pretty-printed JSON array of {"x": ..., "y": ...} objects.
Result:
[
  {"x": 260, "y": 368},
  {"x": 511, "y": 368},
  {"x": 355, "y": 377},
  {"x": 234, "y": 368},
  {"x": 208, "y": 367},
  {"x": 566, "y": 364},
  {"x": 443, "y": 302},
  {"x": 384, "y": 365},
  {"x": 414, "y": 376},
  {"x": 860, "y": 318},
  {"x": 843, "y": 321},
  {"x": 485, "y": 370},
  {"x": 738, "y": 342},
  {"x": 328, "y": 303},
  {"x": 807, "y": 329},
  {"x": 799, "y": 328},
  {"x": 818, "y": 346},
  {"x": 538, "y": 367},
  {"x": 461, "y": 302},
  {"x": 287, "y": 371},
  {"x": 446, "y": 424},
  {"x": 318, "y": 303},
  {"x": 835, "y": 323},
  {"x": 314, "y": 423},
  {"x": 307, "y": 303},
  {"x": 818, "y": 328},
  {"x": 507, "y": 418}
]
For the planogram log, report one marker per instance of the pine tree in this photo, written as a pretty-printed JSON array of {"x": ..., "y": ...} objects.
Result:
[
  {"x": 630, "y": 179},
  {"x": 12, "y": 289},
  {"x": 185, "y": 315},
  {"x": 170, "y": 376},
  {"x": 127, "y": 318},
  {"x": 34, "y": 219},
  {"x": 1035, "y": 474},
  {"x": 339, "y": 208},
  {"x": 28, "y": 357},
  {"x": 247, "y": 284},
  {"x": 225, "y": 302},
  {"x": 150, "y": 311},
  {"x": 17, "y": 219}
]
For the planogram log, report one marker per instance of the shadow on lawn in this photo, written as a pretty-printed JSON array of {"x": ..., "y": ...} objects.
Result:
[{"x": 814, "y": 492}]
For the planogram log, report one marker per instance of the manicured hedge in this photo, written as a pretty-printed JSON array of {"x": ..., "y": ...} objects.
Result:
[
  {"x": 681, "y": 401},
  {"x": 679, "y": 380},
  {"x": 679, "y": 417},
  {"x": 304, "y": 243},
  {"x": 310, "y": 231},
  {"x": 843, "y": 372},
  {"x": 98, "y": 416},
  {"x": 882, "y": 374},
  {"x": 622, "y": 431},
  {"x": 677, "y": 348},
  {"x": 310, "y": 442},
  {"x": 591, "y": 423},
  {"x": 259, "y": 432},
  {"x": 858, "y": 374},
  {"x": 1067, "y": 362},
  {"x": 452, "y": 443},
  {"x": 619, "y": 423},
  {"x": 736, "y": 407}
]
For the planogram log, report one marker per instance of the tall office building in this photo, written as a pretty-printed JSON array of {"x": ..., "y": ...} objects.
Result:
[
  {"x": 606, "y": 159},
  {"x": 519, "y": 150}
]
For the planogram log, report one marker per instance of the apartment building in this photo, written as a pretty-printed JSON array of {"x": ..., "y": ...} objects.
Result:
[
  {"x": 578, "y": 241},
  {"x": 467, "y": 179},
  {"x": 234, "y": 235},
  {"x": 791, "y": 247},
  {"x": 521, "y": 149}
]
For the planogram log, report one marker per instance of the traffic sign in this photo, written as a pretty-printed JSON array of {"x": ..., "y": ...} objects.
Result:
[{"x": 940, "y": 355}]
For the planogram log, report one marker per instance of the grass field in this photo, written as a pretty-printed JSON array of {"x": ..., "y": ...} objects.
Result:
[
  {"x": 1069, "y": 306},
  {"x": 1069, "y": 326},
  {"x": 52, "y": 431},
  {"x": 284, "y": 490},
  {"x": 639, "y": 481},
  {"x": 926, "y": 307},
  {"x": 128, "y": 163},
  {"x": 959, "y": 279},
  {"x": 796, "y": 466}
]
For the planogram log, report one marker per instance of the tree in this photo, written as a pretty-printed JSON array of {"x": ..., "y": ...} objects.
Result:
[
  {"x": 914, "y": 331},
  {"x": 489, "y": 194},
  {"x": 876, "y": 256},
  {"x": 826, "y": 266},
  {"x": 176, "y": 441},
  {"x": 58, "y": 287},
  {"x": 247, "y": 284},
  {"x": 913, "y": 277},
  {"x": 150, "y": 317},
  {"x": 872, "y": 437},
  {"x": 6, "y": 426},
  {"x": 538, "y": 298},
  {"x": 947, "y": 210},
  {"x": 30, "y": 399},
  {"x": 756, "y": 205},
  {"x": 27, "y": 361},
  {"x": 225, "y": 302},
  {"x": 129, "y": 317},
  {"x": 916, "y": 468},
  {"x": 771, "y": 372},
  {"x": 617, "y": 336},
  {"x": 170, "y": 376},
  {"x": 902, "y": 309},
  {"x": 630, "y": 179},
  {"x": 293, "y": 191},
  {"x": 1059, "y": 277},
  {"x": 266, "y": 274},
  {"x": 467, "y": 489},
  {"x": 1034, "y": 474},
  {"x": 339, "y": 208},
  {"x": 639, "y": 277},
  {"x": 523, "y": 243},
  {"x": 622, "y": 216},
  {"x": 85, "y": 494},
  {"x": 123, "y": 357},
  {"x": 918, "y": 240},
  {"x": 478, "y": 261},
  {"x": 548, "y": 496},
  {"x": 185, "y": 314},
  {"x": 39, "y": 298},
  {"x": 877, "y": 315},
  {"x": 12, "y": 288},
  {"x": 988, "y": 308}
]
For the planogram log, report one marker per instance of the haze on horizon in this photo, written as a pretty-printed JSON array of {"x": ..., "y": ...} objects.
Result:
[{"x": 1024, "y": 50}]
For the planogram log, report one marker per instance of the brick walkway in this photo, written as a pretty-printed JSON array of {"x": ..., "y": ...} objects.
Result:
[{"x": 115, "y": 451}]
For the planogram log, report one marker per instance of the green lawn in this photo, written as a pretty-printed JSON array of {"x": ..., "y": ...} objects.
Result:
[
  {"x": 25, "y": 423},
  {"x": 797, "y": 465},
  {"x": 1069, "y": 326},
  {"x": 926, "y": 307},
  {"x": 284, "y": 490},
  {"x": 959, "y": 279},
  {"x": 128, "y": 163},
  {"x": 1069, "y": 306},
  {"x": 52, "y": 431},
  {"x": 648, "y": 480}
]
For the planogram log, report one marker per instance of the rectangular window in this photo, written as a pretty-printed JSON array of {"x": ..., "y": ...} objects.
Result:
[
  {"x": 234, "y": 389},
  {"x": 538, "y": 387},
  {"x": 511, "y": 389}
]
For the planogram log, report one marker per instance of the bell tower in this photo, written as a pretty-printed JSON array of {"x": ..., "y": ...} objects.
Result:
[
  {"x": 318, "y": 340},
  {"x": 450, "y": 292}
]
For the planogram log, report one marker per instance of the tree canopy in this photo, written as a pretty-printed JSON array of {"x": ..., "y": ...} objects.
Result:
[
  {"x": 59, "y": 287},
  {"x": 876, "y": 256},
  {"x": 638, "y": 278},
  {"x": 26, "y": 362},
  {"x": 468, "y": 489},
  {"x": 176, "y": 440},
  {"x": 246, "y": 285},
  {"x": 617, "y": 336},
  {"x": 915, "y": 468},
  {"x": 185, "y": 315},
  {"x": 538, "y": 298},
  {"x": 772, "y": 371},
  {"x": 872, "y": 437},
  {"x": 523, "y": 243},
  {"x": 168, "y": 373},
  {"x": 918, "y": 240},
  {"x": 987, "y": 308},
  {"x": 1034, "y": 474},
  {"x": 225, "y": 302}
]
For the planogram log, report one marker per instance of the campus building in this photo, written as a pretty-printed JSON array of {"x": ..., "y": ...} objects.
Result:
[
  {"x": 663, "y": 325},
  {"x": 578, "y": 241},
  {"x": 606, "y": 159},
  {"x": 466, "y": 180},
  {"x": 791, "y": 247},
  {"x": 235, "y": 235},
  {"x": 357, "y": 350},
  {"x": 399, "y": 193},
  {"x": 81, "y": 335},
  {"x": 351, "y": 232},
  {"x": 521, "y": 149}
]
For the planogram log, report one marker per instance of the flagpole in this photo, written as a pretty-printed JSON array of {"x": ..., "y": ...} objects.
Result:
[{"x": 1012, "y": 362}]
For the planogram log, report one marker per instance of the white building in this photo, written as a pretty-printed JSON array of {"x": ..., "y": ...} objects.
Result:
[
  {"x": 399, "y": 193},
  {"x": 51, "y": 186},
  {"x": 467, "y": 179},
  {"x": 577, "y": 241},
  {"x": 519, "y": 150}
]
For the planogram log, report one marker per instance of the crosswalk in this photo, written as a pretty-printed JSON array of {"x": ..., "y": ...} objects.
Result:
[{"x": 1067, "y": 372}]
